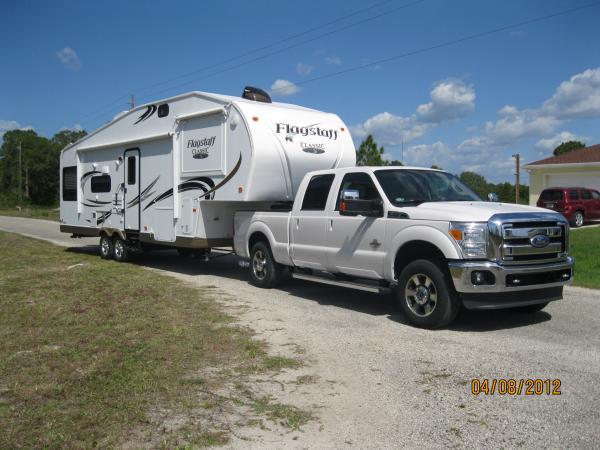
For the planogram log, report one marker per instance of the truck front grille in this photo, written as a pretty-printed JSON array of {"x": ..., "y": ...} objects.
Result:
[{"x": 517, "y": 244}]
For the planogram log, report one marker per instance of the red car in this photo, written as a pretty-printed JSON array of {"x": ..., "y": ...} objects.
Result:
[{"x": 576, "y": 204}]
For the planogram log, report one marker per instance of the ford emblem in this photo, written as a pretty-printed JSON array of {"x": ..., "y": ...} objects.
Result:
[{"x": 540, "y": 240}]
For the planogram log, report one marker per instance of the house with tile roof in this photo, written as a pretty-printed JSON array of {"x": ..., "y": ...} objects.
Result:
[{"x": 579, "y": 168}]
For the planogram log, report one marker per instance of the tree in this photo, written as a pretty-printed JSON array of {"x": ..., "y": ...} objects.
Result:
[
  {"x": 566, "y": 147},
  {"x": 476, "y": 182},
  {"x": 434, "y": 166},
  {"x": 67, "y": 137},
  {"x": 395, "y": 162},
  {"x": 369, "y": 154}
]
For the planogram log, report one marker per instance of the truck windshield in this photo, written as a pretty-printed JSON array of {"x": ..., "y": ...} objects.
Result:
[{"x": 413, "y": 186}]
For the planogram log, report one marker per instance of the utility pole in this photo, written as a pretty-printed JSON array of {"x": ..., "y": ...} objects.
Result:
[
  {"x": 517, "y": 157},
  {"x": 131, "y": 102},
  {"x": 20, "y": 175}
]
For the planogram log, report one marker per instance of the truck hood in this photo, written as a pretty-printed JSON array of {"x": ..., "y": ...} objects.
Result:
[{"x": 465, "y": 211}]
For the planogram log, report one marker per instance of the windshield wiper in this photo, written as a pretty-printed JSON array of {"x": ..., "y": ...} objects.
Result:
[{"x": 415, "y": 202}]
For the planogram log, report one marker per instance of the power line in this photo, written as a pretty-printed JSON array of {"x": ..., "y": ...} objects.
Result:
[
  {"x": 447, "y": 43},
  {"x": 281, "y": 50},
  {"x": 103, "y": 109},
  {"x": 265, "y": 47}
]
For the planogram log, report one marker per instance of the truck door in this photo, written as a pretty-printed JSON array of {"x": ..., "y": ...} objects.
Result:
[
  {"x": 309, "y": 223},
  {"x": 131, "y": 196},
  {"x": 355, "y": 243}
]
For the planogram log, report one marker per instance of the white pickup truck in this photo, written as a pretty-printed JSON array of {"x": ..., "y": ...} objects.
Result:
[{"x": 420, "y": 233}]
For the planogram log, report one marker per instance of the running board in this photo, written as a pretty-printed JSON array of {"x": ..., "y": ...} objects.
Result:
[{"x": 341, "y": 283}]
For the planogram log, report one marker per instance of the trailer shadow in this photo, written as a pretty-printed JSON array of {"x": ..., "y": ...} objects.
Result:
[{"x": 225, "y": 265}]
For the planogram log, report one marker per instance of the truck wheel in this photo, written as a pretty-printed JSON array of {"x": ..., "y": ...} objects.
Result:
[
  {"x": 106, "y": 247},
  {"x": 530, "y": 308},
  {"x": 426, "y": 295},
  {"x": 264, "y": 271},
  {"x": 578, "y": 219},
  {"x": 120, "y": 249}
]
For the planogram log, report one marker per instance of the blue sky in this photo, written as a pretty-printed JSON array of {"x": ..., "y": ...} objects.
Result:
[{"x": 468, "y": 106}]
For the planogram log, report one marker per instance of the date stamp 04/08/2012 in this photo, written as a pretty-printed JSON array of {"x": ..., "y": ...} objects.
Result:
[{"x": 514, "y": 386}]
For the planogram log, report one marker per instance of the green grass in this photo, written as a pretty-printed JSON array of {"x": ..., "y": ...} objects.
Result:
[
  {"x": 89, "y": 354},
  {"x": 585, "y": 247},
  {"x": 33, "y": 212}
]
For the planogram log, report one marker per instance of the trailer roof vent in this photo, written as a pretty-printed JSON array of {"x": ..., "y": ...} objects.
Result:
[{"x": 256, "y": 94}]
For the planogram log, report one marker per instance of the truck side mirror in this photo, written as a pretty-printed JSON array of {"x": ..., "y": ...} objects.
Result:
[
  {"x": 493, "y": 197},
  {"x": 367, "y": 208}
]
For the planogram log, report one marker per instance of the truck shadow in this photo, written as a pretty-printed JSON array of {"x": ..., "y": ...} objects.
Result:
[{"x": 359, "y": 301}]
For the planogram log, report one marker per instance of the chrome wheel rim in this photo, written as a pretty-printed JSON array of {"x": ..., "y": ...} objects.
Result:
[
  {"x": 578, "y": 219},
  {"x": 259, "y": 265},
  {"x": 119, "y": 248},
  {"x": 421, "y": 295},
  {"x": 105, "y": 247}
]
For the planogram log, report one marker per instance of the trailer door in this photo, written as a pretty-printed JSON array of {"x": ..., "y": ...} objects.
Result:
[{"x": 131, "y": 204}]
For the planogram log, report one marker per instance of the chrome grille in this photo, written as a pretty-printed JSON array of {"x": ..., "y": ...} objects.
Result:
[{"x": 517, "y": 239}]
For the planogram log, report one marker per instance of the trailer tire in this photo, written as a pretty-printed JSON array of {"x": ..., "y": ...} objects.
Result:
[
  {"x": 265, "y": 272},
  {"x": 121, "y": 251},
  {"x": 106, "y": 247},
  {"x": 426, "y": 295}
]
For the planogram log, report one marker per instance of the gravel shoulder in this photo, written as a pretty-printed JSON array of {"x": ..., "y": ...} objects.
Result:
[{"x": 376, "y": 382}]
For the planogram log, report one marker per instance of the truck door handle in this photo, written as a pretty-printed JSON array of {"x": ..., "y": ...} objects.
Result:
[
  {"x": 330, "y": 224},
  {"x": 297, "y": 223}
]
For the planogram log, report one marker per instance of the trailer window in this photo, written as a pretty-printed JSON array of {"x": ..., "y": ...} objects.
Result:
[
  {"x": 131, "y": 170},
  {"x": 69, "y": 184},
  {"x": 317, "y": 191},
  {"x": 100, "y": 183}
]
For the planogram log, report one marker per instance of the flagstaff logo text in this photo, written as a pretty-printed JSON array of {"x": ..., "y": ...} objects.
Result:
[
  {"x": 310, "y": 130},
  {"x": 200, "y": 147}
]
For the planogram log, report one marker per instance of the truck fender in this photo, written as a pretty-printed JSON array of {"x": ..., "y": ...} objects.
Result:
[
  {"x": 279, "y": 250},
  {"x": 426, "y": 233}
]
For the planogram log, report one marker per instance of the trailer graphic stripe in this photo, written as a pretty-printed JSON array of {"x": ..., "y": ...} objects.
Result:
[
  {"x": 143, "y": 195},
  {"x": 150, "y": 109},
  {"x": 195, "y": 183}
]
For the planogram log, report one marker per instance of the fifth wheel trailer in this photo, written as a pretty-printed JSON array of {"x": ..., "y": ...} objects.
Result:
[{"x": 174, "y": 172}]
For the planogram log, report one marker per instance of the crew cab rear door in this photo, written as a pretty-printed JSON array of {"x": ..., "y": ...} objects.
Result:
[{"x": 308, "y": 224}]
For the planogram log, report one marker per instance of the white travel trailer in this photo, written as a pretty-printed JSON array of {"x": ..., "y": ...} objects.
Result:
[{"x": 175, "y": 171}]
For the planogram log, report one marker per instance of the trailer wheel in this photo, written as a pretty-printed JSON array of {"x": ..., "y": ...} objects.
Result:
[
  {"x": 426, "y": 295},
  {"x": 120, "y": 249},
  {"x": 106, "y": 247},
  {"x": 265, "y": 272}
]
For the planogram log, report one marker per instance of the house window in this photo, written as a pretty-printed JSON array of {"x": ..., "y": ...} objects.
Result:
[
  {"x": 317, "y": 191},
  {"x": 69, "y": 184},
  {"x": 100, "y": 183}
]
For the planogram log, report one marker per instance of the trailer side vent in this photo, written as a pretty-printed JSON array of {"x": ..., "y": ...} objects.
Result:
[{"x": 256, "y": 94}]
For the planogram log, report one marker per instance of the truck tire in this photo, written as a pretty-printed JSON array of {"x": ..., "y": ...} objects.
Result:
[
  {"x": 106, "y": 247},
  {"x": 426, "y": 295},
  {"x": 578, "y": 219},
  {"x": 120, "y": 249},
  {"x": 530, "y": 308},
  {"x": 265, "y": 272}
]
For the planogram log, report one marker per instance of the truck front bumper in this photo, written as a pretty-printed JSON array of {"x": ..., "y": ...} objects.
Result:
[{"x": 507, "y": 286}]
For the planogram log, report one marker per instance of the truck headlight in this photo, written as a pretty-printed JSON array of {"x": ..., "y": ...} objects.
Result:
[{"x": 471, "y": 237}]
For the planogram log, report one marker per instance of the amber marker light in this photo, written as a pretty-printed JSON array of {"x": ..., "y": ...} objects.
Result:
[
  {"x": 456, "y": 234},
  {"x": 255, "y": 118},
  {"x": 240, "y": 189}
]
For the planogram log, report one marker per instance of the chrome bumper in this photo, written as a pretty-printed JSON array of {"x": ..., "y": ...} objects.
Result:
[{"x": 530, "y": 277}]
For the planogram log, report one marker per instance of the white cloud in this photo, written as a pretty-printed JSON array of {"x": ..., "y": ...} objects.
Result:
[
  {"x": 552, "y": 142},
  {"x": 390, "y": 129},
  {"x": 450, "y": 99},
  {"x": 304, "y": 69},
  {"x": 333, "y": 60},
  {"x": 8, "y": 125},
  {"x": 76, "y": 127},
  {"x": 68, "y": 57},
  {"x": 577, "y": 97},
  {"x": 284, "y": 88}
]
